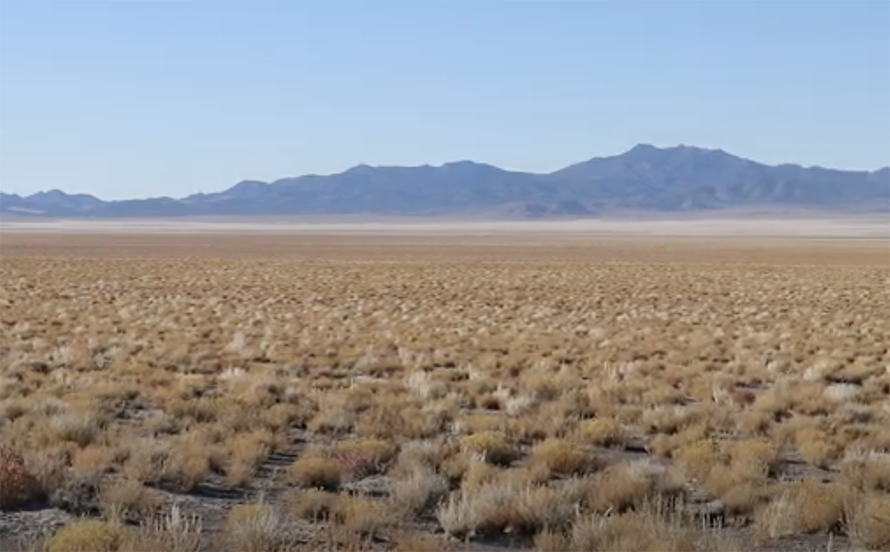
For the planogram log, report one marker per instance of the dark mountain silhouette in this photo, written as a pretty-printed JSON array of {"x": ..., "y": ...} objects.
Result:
[{"x": 645, "y": 178}]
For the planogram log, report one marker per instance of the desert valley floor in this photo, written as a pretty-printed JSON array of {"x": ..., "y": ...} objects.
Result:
[{"x": 196, "y": 387}]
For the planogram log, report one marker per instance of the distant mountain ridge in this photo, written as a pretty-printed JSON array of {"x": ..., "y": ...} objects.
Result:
[{"x": 644, "y": 178}]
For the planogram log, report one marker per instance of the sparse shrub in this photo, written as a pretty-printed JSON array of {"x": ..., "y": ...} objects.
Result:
[
  {"x": 421, "y": 454},
  {"x": 362, "y": 516},
  {"x": 315, "y": 469},
  {"x": 493, "y": 446},
  {"x": 50, "y": 466},
  {"x": 478, "y": 473},
  {"x": 543, "y": 508},
  {"x": 17, "y": 485},
  {"x": 867, "y": 521},
  {"x": 488, "y": 509},
  {"x": 754, "y": 458},
  {"x": 334, "y": 421},
  {"x": 421, "y": 490},
  {"x": 247, "y": 452},
  {"x": 149, "y": 460},
  {"x": 93, "y": 460},
  {"x": 171, "y": 531},
  {"x": 803, "y": 507},
  {"x": 77, "y": 427},
  {"x": 78, "y": 496},
  {"x": 87, "y": 536},
  {"x": 552, "y": 541},
  {"x": 866, "y": 472},
  {"x": 657, "y": 525},
  {"x": 628, "y": 485},
  {"x": 600, "y": 431},
  {"x": 744, "y": 498},
  {"x": 255, "y": 528},
  {"x": 698, "y": 459},
  {"x": 122, "y": 497},
  {"x": 311, "y": 504},
  {"x": 816, "y": 447},
  {"x": 362, "y": 457},
  {"x": 561, "y": 458},
  {"x": 456, "y": 516}
]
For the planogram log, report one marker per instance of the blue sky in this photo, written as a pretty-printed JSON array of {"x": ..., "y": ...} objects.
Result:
[{"x": 133, "y": 99}]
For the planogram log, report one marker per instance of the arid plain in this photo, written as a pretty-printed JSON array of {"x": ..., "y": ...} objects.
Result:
[{"x": 549, "y": 388}]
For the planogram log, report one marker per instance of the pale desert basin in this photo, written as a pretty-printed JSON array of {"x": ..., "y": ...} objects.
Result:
[{"x": 862, "y": 227}]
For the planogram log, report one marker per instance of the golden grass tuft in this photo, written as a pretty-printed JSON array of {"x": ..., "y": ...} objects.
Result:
[
  {"x": 361, "y": 516},
  {"x": 494, "y": 446},
  {"x": 561, "y": 458},
  {"x": 420, "y": 491},
  {"x": 311, "y": 504},
  {"x": 867, "y": 521},
  {"x": 361, "y": 457},
  {"x": 122, "y": 497},
  {"x": 600, "y": 431},
  {"x": 647, "y": 529},
  {"x": 315, "y": 469},
  {"x": 87, "y": 536},
  {"x": 801, "y": 508},
  {"x": 255, "y": 528}
]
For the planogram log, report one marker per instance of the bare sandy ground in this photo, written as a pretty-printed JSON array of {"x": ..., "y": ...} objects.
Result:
[{"x": 865, "y": 227}]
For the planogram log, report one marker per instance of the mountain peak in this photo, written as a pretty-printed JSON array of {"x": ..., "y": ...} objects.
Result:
[
  {"x": 642, "y": 148},
  {"x": 54, "y": 193},
  {"x": 360, "y": 169},
  {"x": 465, "y": 165},
  {"x": 679, "y": 148}
]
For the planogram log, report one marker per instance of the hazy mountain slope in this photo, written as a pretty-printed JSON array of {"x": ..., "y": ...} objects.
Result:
[{"x": 645, "y": 178}]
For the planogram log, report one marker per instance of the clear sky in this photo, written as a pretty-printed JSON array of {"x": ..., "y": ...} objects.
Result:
[{"x": 144, "y": 98}]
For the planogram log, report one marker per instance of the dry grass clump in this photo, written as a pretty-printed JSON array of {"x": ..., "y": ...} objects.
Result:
[
  {"x": 868, "y": 471},
  {"x": 423, "y": 454},
  {"x": 801, "y": 508},
  {"x": 421, "y": 490},
  {"x": 311, "y": 504},
  {"x": 600, "y": 431},
  {"x": 363, "y": 517},
  {"x": 172, "y": 531},
  {"x": 487, "y": 509},
  {"x": 493, "y": 446},
  {"x": 246, "y": 452},
  {"x": 316, "y": 469},
  {"x": 628, "y": 485},
  {"x": 362, "y": 457},
  {"x": 255, "y": 528},
  {"x": 87, "y": 536},
  {"x": 654, "y": 527},
  {"x": 867, "y": 521},
  {"x": 817, "y": 447},
  {"x": 741, "y": 473},
  {"x": 492, "y": 501},
  {"x": 123, "y": 497},
  {"x": 545, "y": 508},
  {"x": 561, "y": 458},
  {"x": 698, "y": 459}
]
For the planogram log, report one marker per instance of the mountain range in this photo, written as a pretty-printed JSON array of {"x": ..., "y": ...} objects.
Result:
[{"x": 643, "y": 179}]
